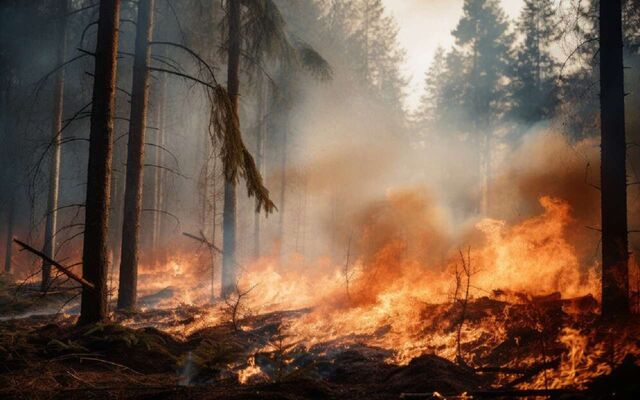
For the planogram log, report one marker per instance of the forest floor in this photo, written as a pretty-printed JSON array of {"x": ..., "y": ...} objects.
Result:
[{"x": 135, "y": 357}]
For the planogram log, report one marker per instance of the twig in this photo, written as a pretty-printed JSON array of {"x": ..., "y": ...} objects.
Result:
[{"x": 110, "y": 363}]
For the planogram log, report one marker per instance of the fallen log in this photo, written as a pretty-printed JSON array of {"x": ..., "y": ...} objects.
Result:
[{"x": 56, "y": 264}]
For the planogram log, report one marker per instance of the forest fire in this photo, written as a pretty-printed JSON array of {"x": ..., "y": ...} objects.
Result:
[
  {"x": 407, "y": 303},
  {"x": 312, "y": 199}
]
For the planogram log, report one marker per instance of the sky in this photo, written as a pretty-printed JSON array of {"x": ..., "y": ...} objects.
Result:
[{"x": 425, "y": 25}]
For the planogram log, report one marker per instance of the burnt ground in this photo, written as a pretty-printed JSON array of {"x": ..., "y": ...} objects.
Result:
[{"x": 48, "y": 357}]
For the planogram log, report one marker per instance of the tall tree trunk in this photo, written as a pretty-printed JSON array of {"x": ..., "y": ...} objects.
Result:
[
  {"x": 204, "y": 173},
  {"x": 54, "y": 169},
  {"x": 8, "y": 255},
  {"x": 260, "y": 137},
  {"x": 127, "y": 291},
  {"x": 229, "y": 213},
  {"x": 158, "y": 179},
  {"x": 615, "y": 256},
  {"x": 94, "y": 253},
  {"x": 214, "y": 225},
  {"x": 283, "y": 179}
]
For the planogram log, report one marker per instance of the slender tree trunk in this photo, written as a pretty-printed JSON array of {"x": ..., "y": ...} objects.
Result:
[
  {"x": 479, "y": 154},
  {"x": 615, "y": 256},
  {"x": 214, "y": 226},
  {"x": 54, "y": 169},
  {"x": 204, "y": 199},
  {"x": 8, "y": 255},
  {"x": 94, "y": 254},
  {"x": 229, "y": 213},
  {"x": 127, "y": 291},
  {"x": 158, "y": 178},
  {"x": 260, "y": 136},
  {"x": 283, "y": 181},
  {"x": 117, "y": 203},
  {"x": 486, "y": 187}
]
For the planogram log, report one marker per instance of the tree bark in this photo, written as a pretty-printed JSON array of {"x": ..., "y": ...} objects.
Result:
[
  {"x": 214, "y": 226},
  {"x": 94, "y": 254},
  {"x": 283, "y": 179},
  {"x": 127, "y": 291},
  {"x": 260, "y": 137},
  {"x": 49, "y": 247},
  {"x": 229, "y": 212},
  {"x": 158, "y": 179},
  {"x": 615, "y": 256}
]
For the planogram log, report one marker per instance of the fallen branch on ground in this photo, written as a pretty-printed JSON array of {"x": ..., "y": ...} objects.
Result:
[{"x": 56, "y": 264}]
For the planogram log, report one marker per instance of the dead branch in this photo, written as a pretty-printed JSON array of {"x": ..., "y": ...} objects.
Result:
[
  {"x": 69, "y": 239},
  {"x": 192, "y": 53},
  {"x": 163, "y": 212},
  {"x": 173, "y": 171},
  {"x": 175, "y": 159},
  {"x": 348, "y": 275},
  {"x": 117, "y": 87},
  {"x": 73, "y": 139},
  {"x": 185, "y": 76},
  {"x": 62, "y": 269},
  {"x": 79, "y": 205},
  {"x": 202, "y": 239},
  {"x": 85, "y": 30},
  {"x": 36, "y": 168},
  {"x": 110, "y": 363},
  {"x": 58, "y": 67},
  {"x": 466, "y": 269}
]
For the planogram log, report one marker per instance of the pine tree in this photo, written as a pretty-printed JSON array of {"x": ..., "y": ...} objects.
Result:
[
  {"x": 377, "y": 55},
  {"x": 230, "y": 200},
  {"x": 93, "y": 307},
  {"x": 482, "y": 36},
  {"x": 127, "y": 291},
  {"x": 54, "y": 171},
  {"x": 534, "y": 87},
  {"x": 443, "y": 105},
  {"x": 431, "y": 108}
]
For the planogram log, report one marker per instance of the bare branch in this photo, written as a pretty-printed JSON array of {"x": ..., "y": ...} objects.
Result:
[{"x": 62, "y": 269}]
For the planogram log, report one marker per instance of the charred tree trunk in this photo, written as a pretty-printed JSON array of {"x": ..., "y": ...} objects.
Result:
[
  {"x": 127, "y": 290},
  {"x": 229, "y": 212},
  {"x": 615, "y": 256},
  {"x": 94, "y": 254},
  {"x": 49, "y": 247}
]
